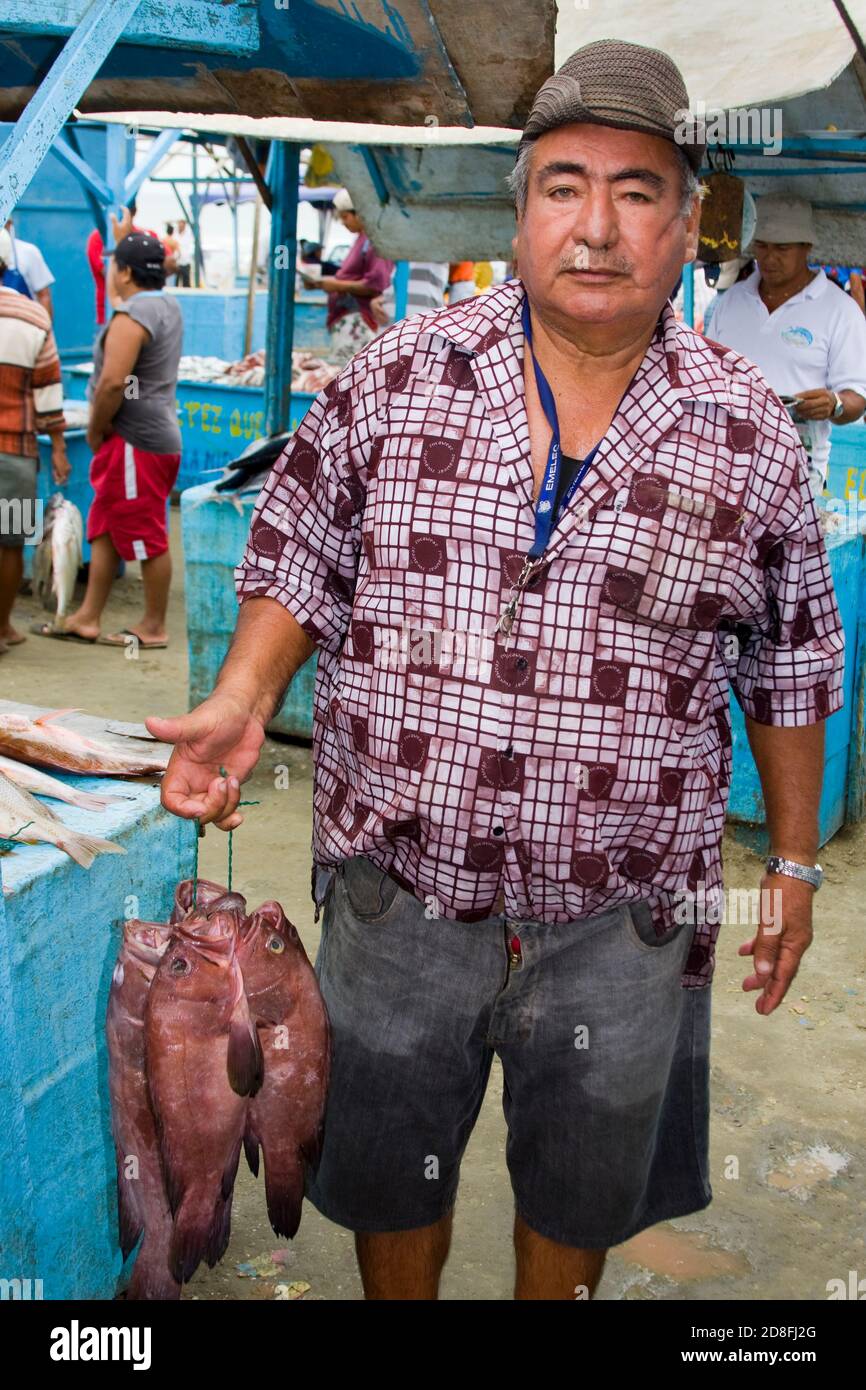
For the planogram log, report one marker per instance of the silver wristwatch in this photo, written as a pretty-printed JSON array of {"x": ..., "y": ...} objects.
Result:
[
  {"x": 815, "y": 876},
  {"x": 839, "y": 407}
]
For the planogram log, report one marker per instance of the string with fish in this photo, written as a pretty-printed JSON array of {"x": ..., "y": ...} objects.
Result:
[
  {"x": 13, "y": 844},
  {"x": 222, "y": 1002},
  {"x": 199, "y": 834}
]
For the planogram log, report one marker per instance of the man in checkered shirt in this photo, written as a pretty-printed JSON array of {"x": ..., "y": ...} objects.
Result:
[{"x": 533, "y": 538}]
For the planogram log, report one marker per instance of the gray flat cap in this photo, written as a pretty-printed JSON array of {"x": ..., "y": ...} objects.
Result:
[{"x": 623, "y": 85}]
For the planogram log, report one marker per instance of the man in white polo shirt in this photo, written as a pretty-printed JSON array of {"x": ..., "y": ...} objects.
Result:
[{"x": 807, "y": 337}]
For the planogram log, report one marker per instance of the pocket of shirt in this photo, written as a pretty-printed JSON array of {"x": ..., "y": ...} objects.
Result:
[{"x": 672, "y": 570}]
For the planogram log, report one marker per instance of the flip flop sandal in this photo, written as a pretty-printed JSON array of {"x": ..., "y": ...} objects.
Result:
[
  {"x": 124, "y": 635},
  {"x": 59, "y": 634}
]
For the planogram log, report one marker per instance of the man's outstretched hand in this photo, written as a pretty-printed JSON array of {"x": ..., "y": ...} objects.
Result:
[
  {"x": 784, "y": 935},
  {"x": 220, "y": 733}
]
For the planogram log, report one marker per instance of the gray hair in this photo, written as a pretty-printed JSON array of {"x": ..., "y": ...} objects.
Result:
[{"x": 518, "y": 179}]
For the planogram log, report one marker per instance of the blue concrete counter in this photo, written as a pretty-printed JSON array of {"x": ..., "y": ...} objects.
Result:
[{"x": 59, "y": 937}]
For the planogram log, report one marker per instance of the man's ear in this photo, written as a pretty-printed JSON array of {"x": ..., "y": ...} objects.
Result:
[{"x": 693, "y": 227}]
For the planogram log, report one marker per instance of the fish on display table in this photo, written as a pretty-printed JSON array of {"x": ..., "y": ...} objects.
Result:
[
  {"x": 141, "y": 1201},
  {"x": 59, "y": 554},
  {"x": 44, "y": 740},
  {"x": 28, "y": 821},
  {"x": 286, "y": 1115},
  {"x": 32, "y": 780},
  {"x": 200, "y": 1042}
]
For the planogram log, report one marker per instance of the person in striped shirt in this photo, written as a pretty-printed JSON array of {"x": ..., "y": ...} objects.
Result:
[{"x": 31, "y": 403}]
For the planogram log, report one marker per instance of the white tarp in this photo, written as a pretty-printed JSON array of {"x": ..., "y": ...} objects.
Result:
[
  {"x": 731, "y": 53},
  {"x": 738, "y": 53}
]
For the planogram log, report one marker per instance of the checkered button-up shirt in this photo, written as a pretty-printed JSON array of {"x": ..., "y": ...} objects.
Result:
[{"x": 584, "y": 760}]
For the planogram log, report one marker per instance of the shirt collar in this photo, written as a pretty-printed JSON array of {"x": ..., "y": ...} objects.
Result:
[
  {"x": 690, "y": 369},
  {"x": 813, "y": 290}
]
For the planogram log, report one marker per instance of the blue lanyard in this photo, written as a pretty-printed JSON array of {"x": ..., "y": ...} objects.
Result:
[{"x": 544, "y": 515}]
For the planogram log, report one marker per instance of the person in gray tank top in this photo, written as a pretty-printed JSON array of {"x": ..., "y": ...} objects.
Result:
[{"x": 135, "y": 439}]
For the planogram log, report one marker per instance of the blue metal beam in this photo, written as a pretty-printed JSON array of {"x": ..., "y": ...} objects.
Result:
[
  {"x": 69, "y": 76},
  {"x": 201, "y": 24},
  {"x": 285, "y": 172},
  {"x": 142, "y": 171},
  {"x": 87, "y": 177}
]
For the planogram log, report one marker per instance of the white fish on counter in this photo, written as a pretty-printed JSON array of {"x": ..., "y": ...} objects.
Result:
[
  {"x": 44, "y": 740},
  {"x": 59, "y": 553},
  {"x": 27, "y": 821},
  {"x": 30, "y": 779}
]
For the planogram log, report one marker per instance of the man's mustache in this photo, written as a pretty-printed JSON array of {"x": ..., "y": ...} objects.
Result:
[{"x": 581, "y": 258}]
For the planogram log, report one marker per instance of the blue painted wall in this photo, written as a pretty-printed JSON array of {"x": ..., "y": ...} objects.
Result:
[
  {"x": 55, "y": 214},
  {"x": 58, "y": 942}
]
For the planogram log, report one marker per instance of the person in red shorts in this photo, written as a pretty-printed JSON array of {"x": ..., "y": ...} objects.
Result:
[{"x": 135, "y": 439}]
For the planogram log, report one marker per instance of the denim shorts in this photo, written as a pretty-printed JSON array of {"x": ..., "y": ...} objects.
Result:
[{"x": 605, "y": 1059}]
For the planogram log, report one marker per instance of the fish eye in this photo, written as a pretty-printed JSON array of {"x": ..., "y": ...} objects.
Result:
[
  {"x": 276, "y": 944},
  {"x": 180, "y": 966}
]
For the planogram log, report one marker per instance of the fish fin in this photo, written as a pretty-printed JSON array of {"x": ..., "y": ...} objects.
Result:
[
  {"x": 311, "y": 1150},
  {"x": 284, "y": 1194},
  {"x": 246, "y": 1064},
  {"x": 174, "y": 1188},
  {"x": 251, "y": 1149},
  {"x": 89, "y": 801},
  {"x": 151, "y": 1279},
  {"x": 230, "y": 1172},
  {"x": 190, "y": 1238},
  {"x": 129, "y": 1222},
  {"x": 77, "y": 849},
  {"x": 84, "y": 848},
  {"x": 55, "y": 714},
  {"x": 220, "y": 1232}
]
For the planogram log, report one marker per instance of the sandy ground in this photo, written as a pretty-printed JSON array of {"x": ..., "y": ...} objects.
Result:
[{"x": 788, "y": 1137}]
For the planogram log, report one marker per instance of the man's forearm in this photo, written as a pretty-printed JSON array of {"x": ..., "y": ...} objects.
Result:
[
  {"x": 107, "y": 401},
  {"x": 790, "y": 764},
  {"x": 853, "y": 403},
  {"x": 267, "y": 648}
]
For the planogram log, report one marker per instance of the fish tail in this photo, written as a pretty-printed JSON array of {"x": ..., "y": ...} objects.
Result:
[
  {"x": 89, "y": 801},
  {"x": 246, "y": 1065},
  {"x": 84, "y": 848},
  {"x": 191, "y": 1237},
  {"x": 129, "y": 1222},
  {"x": 284, "y": 1193}
]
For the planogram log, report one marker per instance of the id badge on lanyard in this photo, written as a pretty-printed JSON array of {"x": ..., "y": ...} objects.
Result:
[{"x": 545, "y": 517}]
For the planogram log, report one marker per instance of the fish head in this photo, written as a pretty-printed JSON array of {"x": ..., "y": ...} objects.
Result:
[
  {"x": 199, "y": 971},
  {"x": 202, "y": 890},
  {"x": 269, "y": 951},
  {"x": 145, "y": 943},
  {"x": 143, "y": 946}
]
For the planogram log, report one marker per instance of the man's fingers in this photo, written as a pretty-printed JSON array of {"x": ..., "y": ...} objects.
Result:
[
  {"x": 181, "y": 729},
  {"x": 787, "y": 965}
]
